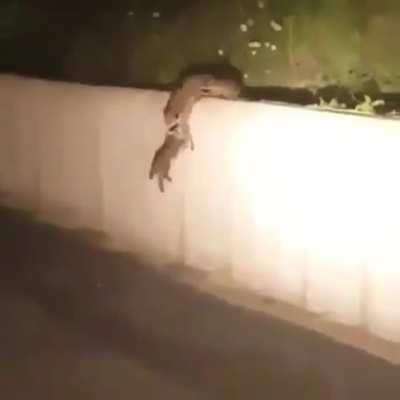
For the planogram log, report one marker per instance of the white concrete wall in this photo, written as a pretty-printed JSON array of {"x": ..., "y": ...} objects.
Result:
[{"x": 299, "y": 205}]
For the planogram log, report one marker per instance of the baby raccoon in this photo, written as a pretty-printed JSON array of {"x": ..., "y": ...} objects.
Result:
[
  {"x": 177, "y": 113},
  {"x": 161, "y": 163}
]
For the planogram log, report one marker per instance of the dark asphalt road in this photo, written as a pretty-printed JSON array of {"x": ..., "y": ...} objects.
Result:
[{"x": 79, "y": 322}]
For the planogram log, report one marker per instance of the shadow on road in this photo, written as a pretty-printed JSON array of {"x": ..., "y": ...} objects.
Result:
[{"x": 84, "y": 323}]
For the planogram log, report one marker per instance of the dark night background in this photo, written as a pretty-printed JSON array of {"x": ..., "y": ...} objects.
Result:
[
  {"x": 37, "y": 35},
  {"x": 344, "y": 43}
]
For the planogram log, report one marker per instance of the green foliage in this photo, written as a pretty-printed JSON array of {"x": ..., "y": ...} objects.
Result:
[
  {"x": 368, "y": 106},
  {"x": 303, "y": 43},
  {"x": 333, "y": 104}
]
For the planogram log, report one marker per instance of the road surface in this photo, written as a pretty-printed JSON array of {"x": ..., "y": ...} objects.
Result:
[{"x": 79, "y": 322}]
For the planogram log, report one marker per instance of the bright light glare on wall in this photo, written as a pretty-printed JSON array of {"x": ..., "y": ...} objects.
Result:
[
  {"x": 330, "y": 186},
  {"x": 327, "y": 184}
]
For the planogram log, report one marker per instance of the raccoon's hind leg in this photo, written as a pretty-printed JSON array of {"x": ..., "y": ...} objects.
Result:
[{"x": 161, "y": 163}]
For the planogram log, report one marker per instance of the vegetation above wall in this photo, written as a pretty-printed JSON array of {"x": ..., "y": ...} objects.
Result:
[{"x": 288, "y": 43}]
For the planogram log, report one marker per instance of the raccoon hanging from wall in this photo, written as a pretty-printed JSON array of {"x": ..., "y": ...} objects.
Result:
[{"x": 177, "y": 113}]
